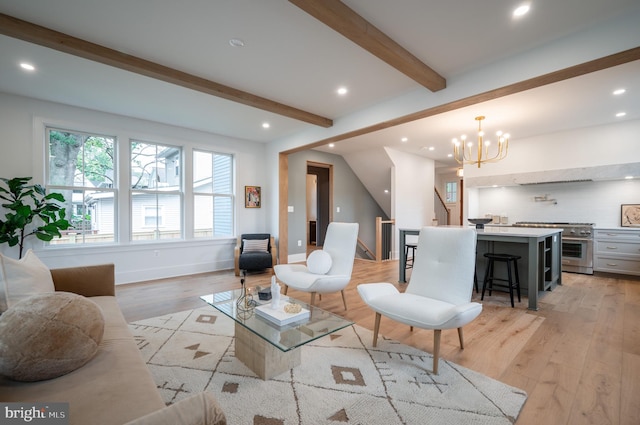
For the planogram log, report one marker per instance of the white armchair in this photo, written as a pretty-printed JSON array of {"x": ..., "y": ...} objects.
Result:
[
  {"x": 438, "y": 295},
  {"x": 331, "y": 272}
]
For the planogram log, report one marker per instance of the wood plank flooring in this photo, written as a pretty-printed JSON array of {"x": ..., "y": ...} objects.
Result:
[{"x": 578, "y": 356}]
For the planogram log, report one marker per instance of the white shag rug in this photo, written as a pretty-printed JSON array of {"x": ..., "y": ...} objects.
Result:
[{"x": 343, "y": 379}]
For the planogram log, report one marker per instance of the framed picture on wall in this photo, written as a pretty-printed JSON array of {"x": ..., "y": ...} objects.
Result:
[
  {"x": 252, "y": 198},
  {"x": 630, "y": 215}
]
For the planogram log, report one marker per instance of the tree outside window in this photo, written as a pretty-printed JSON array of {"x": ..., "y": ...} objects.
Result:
[{"x": 81, "y": 166}]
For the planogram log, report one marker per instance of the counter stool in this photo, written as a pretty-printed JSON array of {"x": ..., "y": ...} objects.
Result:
[
  {"x": 409, "y": 246},
  {"x": 489, "y": 278},
  {"x": 475, "y": 274},
  {"x": 475, "y": 280}
]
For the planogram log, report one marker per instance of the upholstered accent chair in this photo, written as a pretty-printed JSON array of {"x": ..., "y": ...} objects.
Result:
[
  {"x": 255, "y": 252},
  {"x": 438, "y": 295},
  {"x": 327, "y": 270}
]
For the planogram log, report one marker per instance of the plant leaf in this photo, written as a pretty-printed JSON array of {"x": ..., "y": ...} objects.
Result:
[{"x": 56, "y": 196}]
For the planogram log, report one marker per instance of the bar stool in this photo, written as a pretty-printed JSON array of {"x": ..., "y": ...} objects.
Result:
[
  {"x": 409, "y": 246},
  {"x": 475, "y": 273},
  {"x": 489, "y": 278}
]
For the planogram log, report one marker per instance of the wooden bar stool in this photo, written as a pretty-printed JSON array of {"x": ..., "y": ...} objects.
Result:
[{"x": 510, "y": 283}]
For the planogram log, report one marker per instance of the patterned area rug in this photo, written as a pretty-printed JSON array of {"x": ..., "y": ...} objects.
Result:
[{"x": 342, "y": 378}]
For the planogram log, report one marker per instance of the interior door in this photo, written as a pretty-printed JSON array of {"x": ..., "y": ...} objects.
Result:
[{"x": 323, "y": 197}]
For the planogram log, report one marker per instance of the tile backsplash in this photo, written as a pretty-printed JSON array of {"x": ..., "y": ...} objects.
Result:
[{"x": 591, "y": 201}]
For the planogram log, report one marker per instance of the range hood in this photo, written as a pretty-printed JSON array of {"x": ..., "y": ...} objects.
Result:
[
  {"x": 557, "y": 181},
  {"x": 568, "y": 175}
]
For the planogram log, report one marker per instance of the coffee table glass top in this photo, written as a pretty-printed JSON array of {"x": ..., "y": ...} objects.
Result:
[{"x": 287, "y": 337}]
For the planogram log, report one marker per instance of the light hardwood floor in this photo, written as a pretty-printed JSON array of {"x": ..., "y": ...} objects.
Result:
[{"x": 578, "y": 356}]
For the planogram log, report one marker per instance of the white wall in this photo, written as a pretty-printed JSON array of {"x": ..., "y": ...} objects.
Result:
[
  {"x": 580, "y": 202},
  {"x": 413, "y": 180},
  {"x": 22, "y": 119},
  {"x": 596, "y": 146},
  {"x": 604, "y": 154}
]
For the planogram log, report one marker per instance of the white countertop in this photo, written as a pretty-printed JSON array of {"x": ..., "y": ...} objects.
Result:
[
  {"x": 518, "y": 231},
  {"x": 491, "y": 230},
  {"x": 502, "y": 230}
]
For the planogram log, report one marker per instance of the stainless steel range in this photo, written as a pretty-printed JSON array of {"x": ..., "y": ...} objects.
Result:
[{"x": 577, "y": 244}]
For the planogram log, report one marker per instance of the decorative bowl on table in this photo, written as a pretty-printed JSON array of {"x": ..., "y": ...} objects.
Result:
[{"x": 479, "y": 222}]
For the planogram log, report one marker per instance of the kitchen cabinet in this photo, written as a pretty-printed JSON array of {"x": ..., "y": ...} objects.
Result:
[{"x": 617, "y": 251}]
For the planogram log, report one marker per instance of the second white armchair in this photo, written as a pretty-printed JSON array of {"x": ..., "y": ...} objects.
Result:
[
  {"x": 439, "y": 293},
  {"x": 327, "y": 271}
]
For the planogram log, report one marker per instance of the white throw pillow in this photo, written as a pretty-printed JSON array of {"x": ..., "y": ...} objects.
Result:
[
  {"x": 255, "y": 245},
  {"x": 22, "y": 278},
  {"x": 319, "y": 262}
]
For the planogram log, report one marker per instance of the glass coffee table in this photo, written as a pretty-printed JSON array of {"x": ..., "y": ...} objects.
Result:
[{"x": 265, "y": 347}]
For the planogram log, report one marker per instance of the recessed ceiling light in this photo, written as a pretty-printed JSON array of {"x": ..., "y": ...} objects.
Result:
[
  {"x": 628, "y": 177},
  {"x": 27, "y": 66},
  {"x": 331, "y": 145},
  {"x": 621, "y": 114},
  {"x": 342, "y": 91},
  {"x": 236, "y": 42},
  {"x": 386, "y": 191},
  {"x": 404, "y": 139},
  {"x": 266, "y": 125},
  {"x": 619, "y": 92},
  {"x": 449, "y": 155},
  {"x": 521, "y": 10}
]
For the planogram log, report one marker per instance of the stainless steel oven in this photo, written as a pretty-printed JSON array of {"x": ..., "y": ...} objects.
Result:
[
  {"x": 577, "y": 244},
  {"x": 577, "y": 255}
]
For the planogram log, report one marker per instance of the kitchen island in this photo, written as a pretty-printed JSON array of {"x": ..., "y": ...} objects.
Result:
[{"x": 541, "y": 251}]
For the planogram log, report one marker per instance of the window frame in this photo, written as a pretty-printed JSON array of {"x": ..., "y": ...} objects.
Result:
[
  {"x": 231, "y": 196},
  {"x": 113, "y": 190},
  {"x": 156, "y": 193},
  {"x": 454, "y": 192}
]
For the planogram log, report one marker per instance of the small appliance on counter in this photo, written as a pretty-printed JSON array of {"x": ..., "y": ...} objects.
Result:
[{"x": 497, "y": 219}]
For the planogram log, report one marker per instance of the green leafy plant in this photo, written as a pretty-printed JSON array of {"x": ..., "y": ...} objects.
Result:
[{"x": 25, "y": 203}]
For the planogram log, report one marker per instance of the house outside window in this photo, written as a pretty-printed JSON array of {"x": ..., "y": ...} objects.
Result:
[
  {"x": 152, "y": 216},
  {"x": 81, "y": 166},
  {"x": 451, "y": 192},
  {"x": 156, "y": 191},
  {"x": 213, "y": 196}
]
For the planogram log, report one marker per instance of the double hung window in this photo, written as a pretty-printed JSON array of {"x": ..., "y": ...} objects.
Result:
[
  {"x": 212, "y": 194},
  {"x": 451, "y": 192},
  {"x": 156, "y": 191},
  {"x": 81, "y": 166}
]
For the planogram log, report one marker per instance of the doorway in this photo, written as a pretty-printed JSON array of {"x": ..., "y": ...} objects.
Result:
[{"x": 319, "y": 196}]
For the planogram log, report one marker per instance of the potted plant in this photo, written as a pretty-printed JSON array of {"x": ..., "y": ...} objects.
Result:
[{"x": 25, "y": 203}]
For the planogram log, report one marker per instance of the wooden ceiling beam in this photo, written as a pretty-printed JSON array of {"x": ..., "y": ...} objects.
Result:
[
  {"x": 578, "y": 70},
  {"x": 36, "y": 34},
  {"x": 344, "y": 20}
]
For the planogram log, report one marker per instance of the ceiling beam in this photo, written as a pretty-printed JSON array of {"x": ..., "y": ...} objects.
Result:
[
  {"x": 26, "y": 31},
  {"x": 344, "y": 20},
  {"x": 578, "y": 70}
]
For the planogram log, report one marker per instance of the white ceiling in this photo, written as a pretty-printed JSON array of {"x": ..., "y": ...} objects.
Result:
[{"x": 292, "y": 58}]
